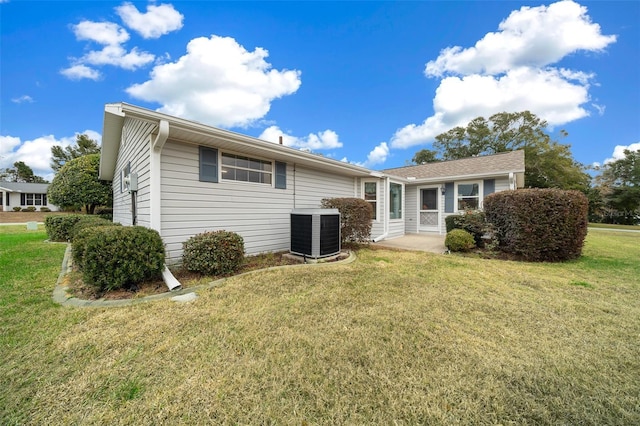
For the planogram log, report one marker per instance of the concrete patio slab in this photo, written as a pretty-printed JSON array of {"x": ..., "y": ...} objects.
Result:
[{"x": 432, "y": 243}]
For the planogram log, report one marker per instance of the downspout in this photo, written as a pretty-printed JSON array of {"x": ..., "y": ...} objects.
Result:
[{"x": 155, "y": 180}]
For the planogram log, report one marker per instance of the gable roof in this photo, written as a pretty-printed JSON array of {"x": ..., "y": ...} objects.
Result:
[
  {"x": 191, "y": 132},
  {"x": 25, "y": 187},
  {"x": 484, "y": 165}
]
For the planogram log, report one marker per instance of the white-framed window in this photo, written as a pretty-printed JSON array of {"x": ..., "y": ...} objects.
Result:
[
  {"x": 33, "y": 199},
  {"x": 246, "y": 169},
  {"x": 395, "y": 201},
  {"x": 370, "y": 195},
  {"x": 468, "y": 195}
]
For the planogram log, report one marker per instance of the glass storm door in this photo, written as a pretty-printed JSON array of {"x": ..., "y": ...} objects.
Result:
[{"x": 429, "y": 210}]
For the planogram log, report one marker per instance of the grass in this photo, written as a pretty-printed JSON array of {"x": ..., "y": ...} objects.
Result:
[
  {"x": 395, "y": 337},
  {"x": 613, "y": 226}
]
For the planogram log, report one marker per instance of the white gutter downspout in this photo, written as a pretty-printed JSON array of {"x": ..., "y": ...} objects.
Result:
[
  {"x": 512, "y": 181},
  {"x": 155, "y": 193},
  {"x": 385, "y": 222}
]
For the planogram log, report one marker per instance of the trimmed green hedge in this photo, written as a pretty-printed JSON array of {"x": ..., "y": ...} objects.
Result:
[
  {"x": 120, "y": 256},
  {"x": 59, "y": 227},
  {"x": 213, "y": 253},
  {"x": 472, "y": 221},
  {"x": 459, "y": 240},
  {"x": 355, "y": 218},
  {"x": 539, "y": 224}
]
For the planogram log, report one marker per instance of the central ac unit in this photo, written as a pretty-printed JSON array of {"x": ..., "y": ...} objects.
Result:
[{"x": 315, "y": 233}]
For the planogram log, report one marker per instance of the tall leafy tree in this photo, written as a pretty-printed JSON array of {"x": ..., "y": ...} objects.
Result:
[
  {"x": 77, "y": 185},
  {"x": 619, "y": 185},
  {"x": 548, "y": 164},
  {"x": 21, "y": 173},
  {"x": 425, "y": 156},
  {"x": 84, "y": 146}
]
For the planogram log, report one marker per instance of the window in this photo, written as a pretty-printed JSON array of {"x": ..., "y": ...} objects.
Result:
[
  {"x": 245, "y": 169},
  {"x": 281, "y": 175},
  {"x": 468, "y": 196},
  {"x": 33, "y": 199},
  {"x": 370, "y": 192},
  {"x": 208, "y": 164},
  {"x": 395, "y": 201}
]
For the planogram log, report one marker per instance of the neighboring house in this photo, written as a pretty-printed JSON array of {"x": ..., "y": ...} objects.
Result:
[
  {"x": 182, "y": 178},
  {"x": 23, "y": 194}
]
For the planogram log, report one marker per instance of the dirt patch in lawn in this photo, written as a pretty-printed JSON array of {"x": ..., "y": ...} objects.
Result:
[{"x": 23, "y": 217}]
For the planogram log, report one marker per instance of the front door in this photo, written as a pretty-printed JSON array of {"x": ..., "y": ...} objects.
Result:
[{"x": 429, "y": 209}]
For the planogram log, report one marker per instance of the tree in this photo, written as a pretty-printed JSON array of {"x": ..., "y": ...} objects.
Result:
[
  {"x": 84, "y": 146},
  {"x": 76, "y": 185},
  {"x": 425, "y": 156},
  {"x": 548, "y": 164},
  {"x": 21, "y": 173},
  {"x": 619, "y": 185}
]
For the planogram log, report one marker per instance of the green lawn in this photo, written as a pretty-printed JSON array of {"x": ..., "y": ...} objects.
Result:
[{"x": 395, "y": 337}]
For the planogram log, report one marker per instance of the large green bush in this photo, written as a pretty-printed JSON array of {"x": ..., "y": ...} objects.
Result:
[
  {"x": 88, "y": 221},
  {"x": 213, "y": 253},
  {"x": 459, "y": 240},
  {"x": 79, "y": 244},
  {"x": 121, "y": 256},
  {"x": 59, "y": 227},
  {"x": 539, "y": 224},
  {"x": 472, "y": 221},
  {"x": 355, "y": 218}
]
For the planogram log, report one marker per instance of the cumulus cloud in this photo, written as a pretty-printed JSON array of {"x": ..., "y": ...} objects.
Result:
[
  {"x": 105, "y": 33},
  {"x": 529, "y": 37},
  {"x": 79, "y": 71},
  {"x": 618, "y": 151},
  {"x": 158, "y": 21},
  {"x": 217, "y": 82},
  {"x": 36, "y": 153},
  {"x": 512, "y": 70},
  {"x": 378, "y": 155},
  {"x": 327, "y": 139}
]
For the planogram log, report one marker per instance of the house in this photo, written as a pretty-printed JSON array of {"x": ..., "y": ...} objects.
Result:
[
  {"x": 23, "y": 195},
  {"x": 182, "y": 178}
]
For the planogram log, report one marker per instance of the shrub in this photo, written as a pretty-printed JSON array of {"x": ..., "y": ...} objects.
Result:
[
  {"x": 213, "y": 253},
  {"x": 59, "y": 227},
  {"x": 105, "y": 213},
  {"x": 472, "y": 221},
  {"x": 29, "y": 209},
  {"x": 459, "y": 240},
  {"x": 45, "y": 209},
  {"x": 121, "y": 256},
  {"x": 355, "y": 218},
  {"x": 87, "y": 221},
  {"x": 79, "y": 243},
  {"x": 539, "y": 224},
  {"x": 17, "y": 209}
]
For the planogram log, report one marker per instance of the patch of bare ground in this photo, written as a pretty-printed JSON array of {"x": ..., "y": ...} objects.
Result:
[{"x": 23, "y": 217}]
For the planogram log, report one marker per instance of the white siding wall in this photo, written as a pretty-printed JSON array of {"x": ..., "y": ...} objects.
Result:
[
  {"x": 411, "y": 209},
  {"x": 258, "y": 212},
  {"x": 134, "y": 149},
  {"x": 502, "y": 184},
  {"x": 14, "y": 201}
]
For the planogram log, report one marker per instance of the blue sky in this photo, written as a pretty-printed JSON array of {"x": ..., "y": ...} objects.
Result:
[{"x": 365, "y": 82}]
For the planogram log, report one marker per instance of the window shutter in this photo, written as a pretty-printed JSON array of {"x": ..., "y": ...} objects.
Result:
[
  {"x": 281, "y": 175},
  {"x": 448, "y": 197},
  {"x": 23, "y": 200},
  {"x": 489, "y": 187},
  {"x": 208, "y": 164}
]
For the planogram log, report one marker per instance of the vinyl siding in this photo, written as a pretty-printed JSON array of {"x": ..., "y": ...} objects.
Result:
[
  {"x": 134, "y": 148},
  {"x": 411, "y": 209},
  {"x": 502, "y": 184},
  {"x": 257, "y": 212}
]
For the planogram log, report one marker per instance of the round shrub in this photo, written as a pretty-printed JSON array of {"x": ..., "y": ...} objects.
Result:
[
  {"x": 539, "y": 224},
  {"x": 59, "y": 227},
  {"x": 17, "y": 209},
  {"x": 472, "y": 221},
  {"x": 121, "y": 256},
  {"x": 355, "y": 218},
  {"x": 213, "y": 253},
  {"x": 79, "y": 243},
  {"x": 459, "y": 240},
  {"x": 87, "y": 221},
  {"x": 45, "y": 209},
  {"x": 29, "y": 209}
]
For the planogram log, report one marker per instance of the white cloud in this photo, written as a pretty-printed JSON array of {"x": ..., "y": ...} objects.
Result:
[
  {"x": 36, "y": 153},
  {"x": 510, "y": 71},
  {"x": 79, "y": 71},
  {"x": 22, "y": 99},
  {"x": 327, "y": 139},
  {"x": 119, "y": 57},
  {"x": 158, "y": 20},
  {"x": 378, "y": 155},
  {"x": 530, "y": 37},
  {"x": 618, "y": 151},
  {"x": 217, "y": 82},
  {"x": 105, "y": 33}
]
